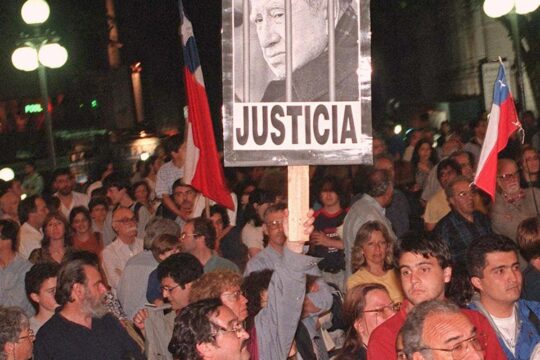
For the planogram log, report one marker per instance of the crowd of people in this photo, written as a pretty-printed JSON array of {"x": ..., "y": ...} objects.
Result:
[{"x": 406, "y": 259}]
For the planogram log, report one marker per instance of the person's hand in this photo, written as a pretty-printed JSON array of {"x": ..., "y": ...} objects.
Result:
[
  {"x": 140, "y": 318},
  {"x": 318, "y": 238},
  {"x": 298, "y": 246}
]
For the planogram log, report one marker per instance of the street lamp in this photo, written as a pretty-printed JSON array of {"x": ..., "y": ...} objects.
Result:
[
  {"x": 498, "y": 8},
  {"x": 38, "y": 51}
]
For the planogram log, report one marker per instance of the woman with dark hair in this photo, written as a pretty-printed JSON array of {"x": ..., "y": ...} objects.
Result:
[
  {"x": 255, "y": 289},
  {"x": 16, "y": 337},
  {"x": 153, "y": 164},
  {"x": 252, "y": 232},
  {"x": 372, "y": 260},
  {"x": 83, "y": 236},
  {"x": 423, "y": 159},
  {"x": 242, "y": 191},
  {"x": 140, "y": 192},
  {"x": 56, "y": 244},
  {"x": 365, "y": 307}
]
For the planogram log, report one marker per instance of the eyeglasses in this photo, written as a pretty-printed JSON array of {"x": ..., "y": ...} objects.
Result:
[
  {"x": 185, "y": 235},
  {"x": 274, "y": 224},
  {"x": 235, "y": 296},
  {"x": 460, "y": 350},
  {"x": 168, "y": 289},
  {"x": 466, "y": 193},
  {"x": 126, "y": 221},
  {"x": 30, "y": 335},
  {"x": 380, "y": 311},
  {"x": 237, "y": 328},
  {"x": 509, "y": 176}
]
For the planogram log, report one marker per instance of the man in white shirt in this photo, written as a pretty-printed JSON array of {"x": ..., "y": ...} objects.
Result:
[
  {"x": 63, "y": 183},
  {"x": 171, "y": 171},
  {"x": 32, "y": 213},
  {"x": 126, "y": 245},
  {"x": 493, "y": 265},
  {"x": 118, "y": 191}
]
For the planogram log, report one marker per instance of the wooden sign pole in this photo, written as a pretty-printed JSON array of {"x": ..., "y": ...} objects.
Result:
[{"x": 298, "y": 200}]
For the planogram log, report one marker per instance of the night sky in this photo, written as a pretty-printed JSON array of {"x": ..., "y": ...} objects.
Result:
[{"x": 148, "y": 32}]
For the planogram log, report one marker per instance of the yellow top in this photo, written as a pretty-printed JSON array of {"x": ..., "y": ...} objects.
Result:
[{"x": 389, "y": 280}]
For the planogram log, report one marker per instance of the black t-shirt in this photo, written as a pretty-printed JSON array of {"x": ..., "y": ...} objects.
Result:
[
  {"x": 61, "y": 339},
  {"x": 333, "y": 259}
]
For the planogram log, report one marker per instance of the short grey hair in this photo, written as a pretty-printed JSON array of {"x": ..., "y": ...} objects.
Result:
[
  {"x": 13, "y": 321},
  {"x": 449, "y": 188},
  {"x": 157, "y": 226},
  {"x": 413, "y": 328}
]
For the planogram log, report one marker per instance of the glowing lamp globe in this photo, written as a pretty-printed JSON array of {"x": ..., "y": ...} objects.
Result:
[
  {"x": 25, "y": 58},
  {"x": 526, "y": 6},
  {"x": 35, "y": 12},
  {"x": 53, "y": 55},
  {"x": 498, "y": 8},
  {"x": 7, "y": 174}
]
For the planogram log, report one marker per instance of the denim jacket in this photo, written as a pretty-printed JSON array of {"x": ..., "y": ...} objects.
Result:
[{"x": 528, "y": 313}]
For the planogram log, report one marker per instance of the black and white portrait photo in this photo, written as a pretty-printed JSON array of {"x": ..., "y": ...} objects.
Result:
[{"x": 331, "y": 67}]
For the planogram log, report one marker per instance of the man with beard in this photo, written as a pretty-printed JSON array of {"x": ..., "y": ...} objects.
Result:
[
  {"x": 119, "y": 193},
  {"x": 124, "y": 247},
  {"x": 512, "y": 204},
  {"x": 82, "y": 328},
  {"x": 63, "y": 183},
  {"x": 493, "y": 265},
  {"x": 209, "y": 330}
]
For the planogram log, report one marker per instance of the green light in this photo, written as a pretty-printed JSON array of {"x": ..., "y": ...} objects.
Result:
[
  {"x": 33, "y": 108},
  {"x": 94, "y": 104}
]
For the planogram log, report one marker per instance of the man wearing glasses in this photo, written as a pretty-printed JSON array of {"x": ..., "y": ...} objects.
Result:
[
  {"x": 512, "y": 204},
  {"x": 439, "y": 330},
  {"x": 462, "y": 224},
  {"x": 209, "y": 330},
  {"x": 425, "y": 268},
  {"x": 494, "y": 269},
  {"x": 176, "y": 275},
  {"x": 124, "y": 247}
]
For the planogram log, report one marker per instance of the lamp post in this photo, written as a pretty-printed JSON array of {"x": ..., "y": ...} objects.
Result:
[
  {"x": 40, "y": 50},
  {"x": 513, "y": 8}
]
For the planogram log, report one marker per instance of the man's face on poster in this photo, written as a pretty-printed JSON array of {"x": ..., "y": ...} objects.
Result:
[{"x": 309, "y": 31}]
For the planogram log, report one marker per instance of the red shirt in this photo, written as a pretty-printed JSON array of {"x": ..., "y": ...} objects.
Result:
[{"x": 382, "y": 342}]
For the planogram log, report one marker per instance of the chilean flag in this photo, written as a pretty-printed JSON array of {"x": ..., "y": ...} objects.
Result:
[
  {"x": 202, "y": 168},
  {"x": 503, "y": 122}
]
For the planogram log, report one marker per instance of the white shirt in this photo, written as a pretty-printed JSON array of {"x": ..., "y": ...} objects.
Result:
[
  {"x": 507, "y": 329},
  {"x": 115, "y": 256},
  {"x": 78, "y": 199},
  {"x": 29, "y": 239}
]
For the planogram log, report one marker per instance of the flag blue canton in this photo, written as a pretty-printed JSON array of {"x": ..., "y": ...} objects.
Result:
[
  {"x": 191, "y": 55},
  {"x": 502, "y": 91}
]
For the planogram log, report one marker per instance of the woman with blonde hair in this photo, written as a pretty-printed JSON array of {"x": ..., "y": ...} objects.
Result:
[{"x": 372, "y": 260}]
